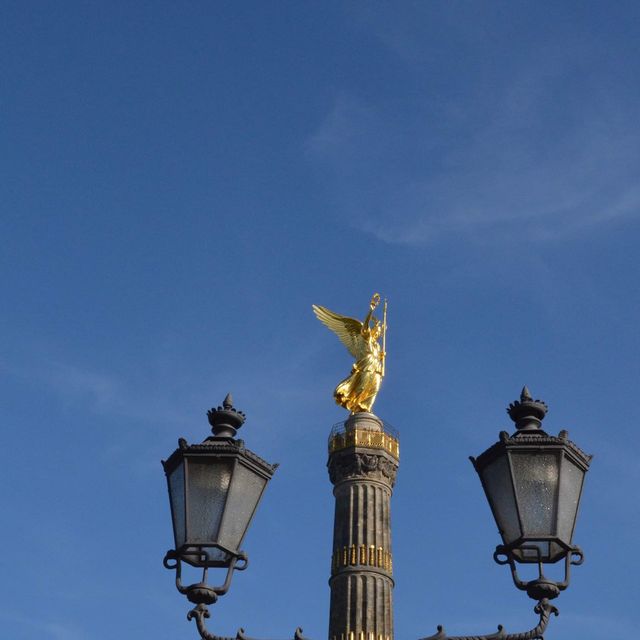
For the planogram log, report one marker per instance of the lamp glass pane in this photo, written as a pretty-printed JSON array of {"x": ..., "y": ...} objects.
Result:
[
  {"x": 208, "y": 485},
  {"x": 176, "y": 496},
  {"x": 571, "y": 480},
  {"x": 496, "y": 478},
  {"x": 535, "y": 476},
  {"x": 556, "y": 552},
  {"x": 528, "y": 554},
  {"x": 246, "y": 489}
]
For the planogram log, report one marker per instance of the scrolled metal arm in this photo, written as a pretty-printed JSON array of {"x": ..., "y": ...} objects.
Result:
[
  {"x": 201, "y": 594},
  {"x": 201, "y": 611},
  {"x": 541, "y": 588},
  {"x": 544, "y": 609},
  {"x": 172, "y": 560}
]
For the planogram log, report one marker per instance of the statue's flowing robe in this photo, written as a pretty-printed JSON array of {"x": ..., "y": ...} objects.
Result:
[{"x": 358, "y": 391}]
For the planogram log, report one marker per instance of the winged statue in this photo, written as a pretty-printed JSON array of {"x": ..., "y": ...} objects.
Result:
[{"x": 358, "y": 391}]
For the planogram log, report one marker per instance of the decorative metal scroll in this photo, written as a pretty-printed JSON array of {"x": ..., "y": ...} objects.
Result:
[
  {"x": 544, "y": 609},
  {"x": 200, "y": 612},
  {"x": 201, "y": 594},
  {"x": 540, "y": 588},
  {"x": 201, "y": 591}
]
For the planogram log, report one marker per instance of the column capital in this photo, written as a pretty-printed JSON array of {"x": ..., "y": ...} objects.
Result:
[{"x": 362, "y": 464}]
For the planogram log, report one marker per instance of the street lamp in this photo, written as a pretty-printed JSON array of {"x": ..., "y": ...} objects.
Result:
[
  {"x": 214, "y": 490},
  {"x": 533, "y": 482}
]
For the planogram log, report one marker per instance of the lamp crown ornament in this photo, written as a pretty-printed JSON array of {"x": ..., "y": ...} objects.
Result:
[
  {"x": 527, "y": 413},
  {"x": 225, "y": 420}
]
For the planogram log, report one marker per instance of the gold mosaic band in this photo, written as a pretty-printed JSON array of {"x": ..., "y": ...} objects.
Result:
[
  {"x": 365, "y": 438},
  {"x": 362, "y": 635},
  {"x": 363, "y": 556}
]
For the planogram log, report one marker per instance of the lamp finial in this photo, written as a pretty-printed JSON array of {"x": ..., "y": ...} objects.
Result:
[
  {"x": 225, "y": 420},
  {"x": 527, "y": 413}
]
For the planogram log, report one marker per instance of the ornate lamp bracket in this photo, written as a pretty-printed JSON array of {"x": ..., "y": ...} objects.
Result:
[
  {"x": 202, "y": 594},
  {"x": 200, "y": 612},
  {"x": 540, "y": 588}
]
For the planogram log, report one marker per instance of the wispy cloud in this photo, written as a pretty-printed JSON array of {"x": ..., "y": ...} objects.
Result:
[
  {"x": 64, "y": 631},
  {"x": 88, "y": 388},
  {"x": 525, "y": 162},
  {"x": 100, "y": 390},
  {"x": 49, "y": 630},
  {"x": 165, "y": 396}
]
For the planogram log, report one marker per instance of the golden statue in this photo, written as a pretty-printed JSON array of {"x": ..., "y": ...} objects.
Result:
[{"x": 358, "y": 392}]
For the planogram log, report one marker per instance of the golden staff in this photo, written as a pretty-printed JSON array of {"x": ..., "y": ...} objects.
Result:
[{"x": 384, "y": 337}]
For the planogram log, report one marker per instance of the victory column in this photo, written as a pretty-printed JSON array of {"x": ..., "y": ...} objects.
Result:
[{"x": 363, "y": 461}]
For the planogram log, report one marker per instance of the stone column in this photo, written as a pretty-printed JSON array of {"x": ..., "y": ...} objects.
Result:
[{"x": 363, "y": 461}]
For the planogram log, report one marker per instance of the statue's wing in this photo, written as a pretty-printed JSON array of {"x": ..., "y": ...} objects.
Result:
[{"x": 349, "y": 330}]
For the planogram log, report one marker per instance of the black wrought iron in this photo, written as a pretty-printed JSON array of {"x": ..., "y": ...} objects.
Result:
[
  {"x": 524, "y": 542},
  {"x": 544, "y": 609},
  {"x": 214, "y": 490},
  {"x": 341, "y": 427},
  {"x": 542, "y": 587},
  {"x": 533, "y": 482},
  {"x": 201, "y": 611},
  {"x": 202, "y": 594}
]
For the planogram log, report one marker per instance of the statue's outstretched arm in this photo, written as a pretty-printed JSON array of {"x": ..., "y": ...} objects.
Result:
[{"x": 366, "y": 324}]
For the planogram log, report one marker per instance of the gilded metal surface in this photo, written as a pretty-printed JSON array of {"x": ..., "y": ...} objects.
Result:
[
  {"x": 362, "y": 555},
  {"x": 358, "y": 391},
  {"x": 362, "y": 635},
  {"x": 365, "y": 438}
]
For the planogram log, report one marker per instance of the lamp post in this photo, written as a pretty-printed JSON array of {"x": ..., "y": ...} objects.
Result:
[
  {"x": 214, "y": 490},
  {"x": 533, "y": 483}
]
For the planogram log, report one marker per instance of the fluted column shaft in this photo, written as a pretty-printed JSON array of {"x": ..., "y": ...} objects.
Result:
[{"x": 363, "y": 461}]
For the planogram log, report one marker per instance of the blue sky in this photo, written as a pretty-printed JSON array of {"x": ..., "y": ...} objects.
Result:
[{"x": 181, "y": 181}]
